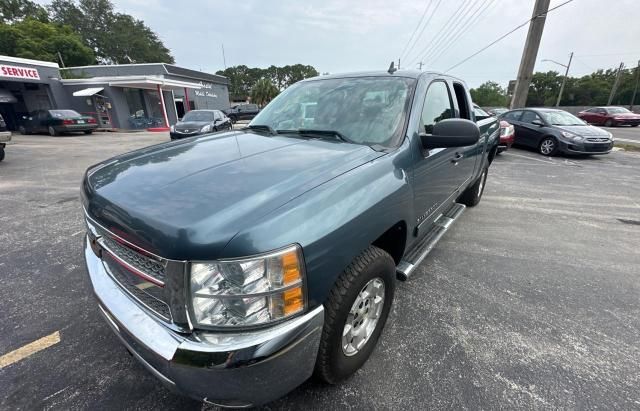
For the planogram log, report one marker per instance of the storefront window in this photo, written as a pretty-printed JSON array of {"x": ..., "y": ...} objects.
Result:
[
  {"x": 137, "y": 113},
  {"x": 155, "y": 108}
]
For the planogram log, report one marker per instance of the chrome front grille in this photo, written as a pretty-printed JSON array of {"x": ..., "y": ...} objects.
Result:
[
  {"x": 147, "y": 294},
  {"x": 152, "y": 268}
]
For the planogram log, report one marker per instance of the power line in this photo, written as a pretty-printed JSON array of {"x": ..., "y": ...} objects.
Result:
[
  {"x": 462, "y": 29},
  {"x": 429, "y": 3},
  {"x": 447, "y": 35},
  {"x": 439, "y": 35},
  {"x": 504, "y": 35},
  {"x": 433, "y": 12}
]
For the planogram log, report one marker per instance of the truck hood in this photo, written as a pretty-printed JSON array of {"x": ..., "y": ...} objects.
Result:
[{"x": 186, "y": 200}]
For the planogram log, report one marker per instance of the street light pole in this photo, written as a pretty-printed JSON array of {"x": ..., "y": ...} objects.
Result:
[
  {"x": 564, "y": 80},
  {"x": 566, "y": 73}
]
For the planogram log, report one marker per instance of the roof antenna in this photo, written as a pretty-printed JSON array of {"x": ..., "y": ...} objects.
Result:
[{"x": 392, "y": 68}]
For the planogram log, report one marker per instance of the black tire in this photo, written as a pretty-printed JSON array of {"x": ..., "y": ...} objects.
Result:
[
  {"x": 1, "y": 154},
  {"x": 634, "y": 125},
  {"x": 87, "y": 132},
  {"x": 332, "y": 364},
  {"x": 472, "y": 195},
  {"x": 545, "y": 144},
  {"x": 52, "y": 131},
  {"x": 233, "y": 119},
  {"x": 23, "y": 130},
  {"x": 609, "y": 123}
]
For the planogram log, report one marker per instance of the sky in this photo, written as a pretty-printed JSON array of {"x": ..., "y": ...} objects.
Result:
[{"x": 342, "y": 36}]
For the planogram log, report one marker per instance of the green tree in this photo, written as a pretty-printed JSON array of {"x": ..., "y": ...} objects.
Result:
[
  {"x": 242, "y": 79},
  {"x": 12, "y": 11},
  {"x": 263, "y": 92},
  {"x": 490, "y": 94},
  {"x": 34, "y": 39},
  {"x": 116, "y": 38}
]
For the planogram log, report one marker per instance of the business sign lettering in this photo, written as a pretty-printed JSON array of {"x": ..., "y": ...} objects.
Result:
[{"x": 19, "y": 72}]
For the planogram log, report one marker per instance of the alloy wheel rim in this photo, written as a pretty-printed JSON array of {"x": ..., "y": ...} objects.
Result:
[
  {"x": 363, "y": 317},
  {"x": 547, "y": 146}
]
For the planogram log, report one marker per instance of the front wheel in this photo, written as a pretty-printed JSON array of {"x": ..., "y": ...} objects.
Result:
[
  {"x": 1, "y": 154},
  {"x": 23, "y": 130},
  {"x": 355, "y": 313},
  {"x": 87, "y": 132},
  {"x": 548, "y": 146},
  {"x": 52, "y": 131},
  {"x": 472, "y": 195},
  {"x": 634, "y": 125},
  {"x": 609, "y": 123}
]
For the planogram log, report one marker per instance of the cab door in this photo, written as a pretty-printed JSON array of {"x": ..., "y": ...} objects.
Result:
[{"x": 438, "y": 173}]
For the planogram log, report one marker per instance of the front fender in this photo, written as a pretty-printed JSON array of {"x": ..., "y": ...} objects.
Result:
[{"x": 333, "y": 222}]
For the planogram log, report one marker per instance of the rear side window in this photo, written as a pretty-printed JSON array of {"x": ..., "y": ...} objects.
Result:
[
  {"x": 461, "y": 99},
  {"x": 437, "y": 106}
]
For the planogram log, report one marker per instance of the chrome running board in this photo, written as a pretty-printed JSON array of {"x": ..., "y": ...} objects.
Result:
[{"x": 418, "y": 253}]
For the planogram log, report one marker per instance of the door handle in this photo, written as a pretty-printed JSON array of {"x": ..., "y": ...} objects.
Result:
[{"x": 457, "y": 158}]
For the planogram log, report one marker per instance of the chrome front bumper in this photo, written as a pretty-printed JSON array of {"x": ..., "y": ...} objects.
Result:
[{"x": 228, "y": 369}]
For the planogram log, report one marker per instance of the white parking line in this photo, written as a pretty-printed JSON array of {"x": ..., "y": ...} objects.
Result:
[{"x": 29, "y": 349}]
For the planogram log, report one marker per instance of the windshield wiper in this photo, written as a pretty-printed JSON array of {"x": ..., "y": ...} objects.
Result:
[
  {"x": 319, "y": 133},
  {"x": 262, "y": 127}
]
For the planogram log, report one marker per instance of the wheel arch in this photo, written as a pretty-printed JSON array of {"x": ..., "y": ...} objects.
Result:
[{"x": 393, "y": 241}]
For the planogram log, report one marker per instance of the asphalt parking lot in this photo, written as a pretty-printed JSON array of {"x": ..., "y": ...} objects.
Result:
[{"x": 532, "y": 300}]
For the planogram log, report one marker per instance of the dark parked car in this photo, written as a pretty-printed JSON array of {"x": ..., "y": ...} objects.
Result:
[
  {"x": 200, "y": 122},
  {"x": 56, "y": 122},
  {"x": 610, "y": 116},
  {"x": 551, "y": 131},
  {"x": 5, "y": 136},
  {"x": 242, "y": 112},
  {"x": 234, "y": 266},
  {"x": 496, "y": 111}
]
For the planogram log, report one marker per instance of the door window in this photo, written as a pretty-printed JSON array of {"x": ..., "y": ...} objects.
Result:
[
  {"x": 437, "y": 106},
  {"x": 530, "y": 117},
  {"x": 512, "y": 115}
]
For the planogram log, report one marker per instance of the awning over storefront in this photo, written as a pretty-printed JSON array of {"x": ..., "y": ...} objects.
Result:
[
  {"x": 87, "y": 91},
  {"x": 7, "y": 97},
  {"x": 142, "y": 82}
]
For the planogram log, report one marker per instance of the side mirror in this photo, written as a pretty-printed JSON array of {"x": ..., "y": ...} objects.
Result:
[
  {"x": 453, "y": 132},
  {"x": 216, "y": 121},
  {"x": 537, "y": 123}
]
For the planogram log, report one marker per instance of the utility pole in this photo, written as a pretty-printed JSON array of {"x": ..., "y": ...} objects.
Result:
[
  {"x": 530, "y": 53},
  {"x": 61, "y": 61},
  {"x": 398, "y": 63},
  {"x": 564, "y": 80},
  {"x": 635, "y": 90},
  {"x": 615, "y": 84},
  {"x": 224, "y": 60},
  {"x": 420, "y": 63}
]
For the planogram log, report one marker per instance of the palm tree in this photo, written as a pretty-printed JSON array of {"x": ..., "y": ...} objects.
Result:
[{"x": 263, "y": 92}]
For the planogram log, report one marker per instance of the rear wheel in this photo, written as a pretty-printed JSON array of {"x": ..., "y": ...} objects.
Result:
[
  {"x": 355, "y": 314},
  {"x": 23, "y": 130},
  {"x": 634, "y": 125},
  {"x": 472, "y": 195},
  {"x": 88, "y": 132},
  {"x": 548, "y": 146},
  {"x": 52, "y": 131},
  {"x": 1, "y": 154}
]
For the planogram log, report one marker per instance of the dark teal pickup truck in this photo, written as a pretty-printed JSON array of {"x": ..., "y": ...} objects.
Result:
[{"x": 235, "y": 265}]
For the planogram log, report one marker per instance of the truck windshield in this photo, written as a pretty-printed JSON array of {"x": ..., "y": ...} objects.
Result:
[{"x": 365, "y": 110}]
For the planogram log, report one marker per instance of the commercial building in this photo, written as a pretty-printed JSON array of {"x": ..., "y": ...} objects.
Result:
[{"x": 127, "y": 96}]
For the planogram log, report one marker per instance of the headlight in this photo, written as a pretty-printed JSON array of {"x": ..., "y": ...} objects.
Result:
[
  {"x": 572, "y": 136},
  {"x": 248, "y": 291},
  {"x": 206, "y": 128},
  {"x": 172, "y": 128}
]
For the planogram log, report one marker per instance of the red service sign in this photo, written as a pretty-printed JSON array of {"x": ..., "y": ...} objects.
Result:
[{"x": 19, "y": 72}]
